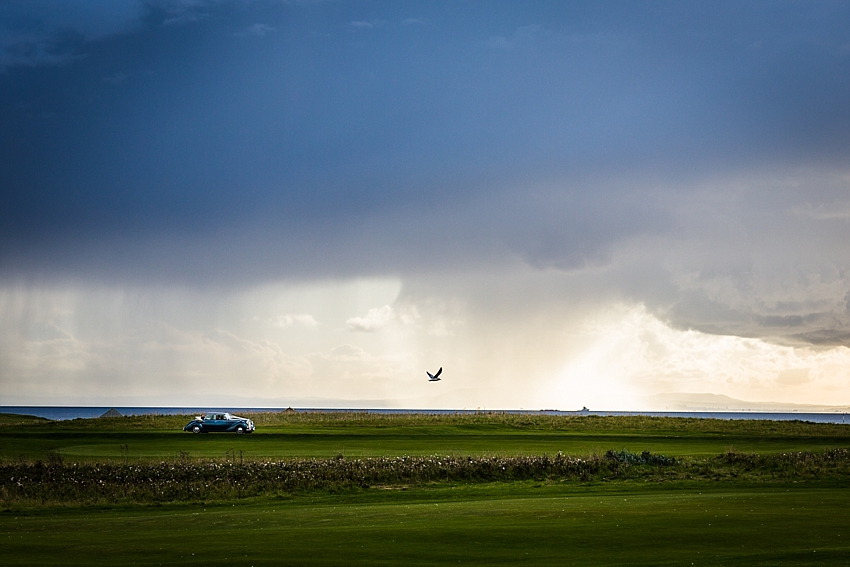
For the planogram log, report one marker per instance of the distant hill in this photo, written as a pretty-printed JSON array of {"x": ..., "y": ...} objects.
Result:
[
  {"x": 720, "y": 402},
  {"x": 20, "y": 419}
]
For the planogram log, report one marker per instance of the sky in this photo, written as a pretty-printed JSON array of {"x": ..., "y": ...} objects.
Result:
[{"x": 310, "y": 203}]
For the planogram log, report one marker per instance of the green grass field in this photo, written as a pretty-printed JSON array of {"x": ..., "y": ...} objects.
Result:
[
  {"x": 706, "y": 510},
  {"x": 454, "y": 525},
  {"x": 367, "y": 435}
]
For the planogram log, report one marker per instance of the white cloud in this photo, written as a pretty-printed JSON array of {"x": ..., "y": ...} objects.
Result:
[
  {"x": 440, "y": 328},
  {"x": 375, "y": 320},
  {"x": 408, "y": 314},
  {"x": 289, "y": 320},
  {"x": 347, "y": 353},
  {"x": 352, "y": 371}
]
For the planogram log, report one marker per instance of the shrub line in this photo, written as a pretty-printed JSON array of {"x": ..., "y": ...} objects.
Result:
[{"x": 56, "y": 483}]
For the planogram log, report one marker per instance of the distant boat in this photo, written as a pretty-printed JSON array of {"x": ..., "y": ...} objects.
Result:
[{"x": 112, "y": 413}]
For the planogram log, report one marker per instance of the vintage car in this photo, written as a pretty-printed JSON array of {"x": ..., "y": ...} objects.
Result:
[{"x": 220, "y": 421}]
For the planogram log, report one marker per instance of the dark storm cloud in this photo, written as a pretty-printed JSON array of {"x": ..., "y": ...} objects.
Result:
[{"x": 199, "y": 140}]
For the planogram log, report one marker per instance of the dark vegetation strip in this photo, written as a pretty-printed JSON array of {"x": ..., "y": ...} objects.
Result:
[{"x": 55, "y": 483}]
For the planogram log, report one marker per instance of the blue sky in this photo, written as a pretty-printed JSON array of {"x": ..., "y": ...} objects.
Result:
[{"x": 327, "y": 198}]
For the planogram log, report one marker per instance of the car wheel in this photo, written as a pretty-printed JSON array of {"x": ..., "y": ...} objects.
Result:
[
  {"x": 196, "y": 429},
  {"x": 240, "y": 430}
]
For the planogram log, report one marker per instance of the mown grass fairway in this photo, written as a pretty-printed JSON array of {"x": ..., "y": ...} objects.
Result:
[
  {"x": 709, "y": 507},
  {"x": 519, "y": 525}
]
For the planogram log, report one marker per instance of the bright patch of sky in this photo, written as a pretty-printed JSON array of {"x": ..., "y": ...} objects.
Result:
[{"x": 125, "y": 346}]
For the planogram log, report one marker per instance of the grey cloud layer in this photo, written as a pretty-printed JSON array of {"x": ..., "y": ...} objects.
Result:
[{"x": 688, "y": 156}]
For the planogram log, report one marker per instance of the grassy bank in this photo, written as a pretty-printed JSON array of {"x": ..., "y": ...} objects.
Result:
[
  {"x": 307, "y": 420},
  {"x": 362, "y": 435}
]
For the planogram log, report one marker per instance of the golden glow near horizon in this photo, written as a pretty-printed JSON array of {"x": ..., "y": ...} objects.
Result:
[
  {"x": 632, "y": 355},
  {"x": 358, "y": 344}
]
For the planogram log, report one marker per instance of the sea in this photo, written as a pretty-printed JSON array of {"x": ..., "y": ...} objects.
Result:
[{"x": 87, "y": 412}]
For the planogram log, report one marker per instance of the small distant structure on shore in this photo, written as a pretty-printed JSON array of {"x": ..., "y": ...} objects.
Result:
[
  {"x": 289, "y": 410},
  {"x": 112, "y": 412}
]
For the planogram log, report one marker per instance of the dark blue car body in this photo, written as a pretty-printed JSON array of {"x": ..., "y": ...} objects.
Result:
[{"x": 220, "y": 421}]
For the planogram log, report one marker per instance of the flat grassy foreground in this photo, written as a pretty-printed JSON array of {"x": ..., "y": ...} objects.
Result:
[
  {"x": 489, "y": 489},
  {"x": 517, "y": 524}
]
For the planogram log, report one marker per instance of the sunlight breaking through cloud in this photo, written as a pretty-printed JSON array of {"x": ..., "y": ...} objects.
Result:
[{"x": 633, "y": 354}]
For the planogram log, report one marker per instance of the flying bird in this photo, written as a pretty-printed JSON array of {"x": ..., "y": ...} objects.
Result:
[{"x": 434, "y": 377}]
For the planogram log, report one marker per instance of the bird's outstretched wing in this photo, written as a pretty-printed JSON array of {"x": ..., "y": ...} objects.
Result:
[{"x": 440, "y": 371}]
